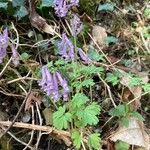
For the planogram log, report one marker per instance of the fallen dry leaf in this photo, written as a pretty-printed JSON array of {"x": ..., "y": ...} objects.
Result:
[
  {"x": 33, "y": 98},
  {"x": 38, "y": 22},
  {"x": 134, "y": 134},
  {"x": 131, "y": 92},
  {"x": 99, "y": 35}
]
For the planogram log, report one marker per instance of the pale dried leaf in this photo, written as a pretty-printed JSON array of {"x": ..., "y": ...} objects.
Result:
[
  {"x": 48, "y": 115},
  {"x": 134, "y": 134},
  {"x": 99, "y": 35}
]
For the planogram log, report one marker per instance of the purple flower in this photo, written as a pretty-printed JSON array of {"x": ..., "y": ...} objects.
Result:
[
  {"x": 50, "y": 84},
  {"x": 64, "y": 84},
  {"x": 15, "y": 56},
  {"x": 55, "y": 93},
  {"x": 76, "y": 25},
  {"x": 3, "y": 44},
  {"x": 74, "y": 2},
  {"x": 66, "y": 48},
  {"x": 46, "y": 82},
  {"x": 83, "y": 56},
  {"x": 62, "y": 6}
]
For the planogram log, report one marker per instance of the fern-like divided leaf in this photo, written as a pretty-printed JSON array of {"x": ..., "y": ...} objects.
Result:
[
  {"x": 78, "y": 100},
  {"x": 88, "y": 115},
  {"x": 76, "y": 137},
  {"x": 94, "y": 141},
  {"x": 61, "y": 118}
]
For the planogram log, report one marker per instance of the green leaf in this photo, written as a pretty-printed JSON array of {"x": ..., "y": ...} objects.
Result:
[
  {"x": 76, "y": 137},
  {"x": 94, "y": 141},
  {"x": 146, "y": 87},
  {"x": 124, "y": 121},
  {"x": 18, "y": 3},
  {"x": 87, "y": 83},
  {"x": 137, "y": 115},
  {"x": 61, "y": 118},
  {"x": 78, "y": 100},
  {"x": 47, "y": 3},
  {"x": 3, "y": 5},
  {"x": 25, "y": 56},
  {"x": 106, "y": 7},
  {"x": 94, "y": 55},
  {"x": 122, "y": 146},
  {"x": 134, "y": 81},
  {"x": 21, "y": 12},
  {"x": 89, "y": 114},
  {"x": 118, "y": 111},
  {"x": 111, "y": 39},
  {"x": 146, "y": 31},
  {"x": 147, "y": 13},
  {"x": 113, "y": 78},
  {"x": 89, "y": 70}
]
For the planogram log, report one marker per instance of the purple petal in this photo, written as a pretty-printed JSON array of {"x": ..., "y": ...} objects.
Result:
[
  {"x": 3, "y": 44},
  {"x": 61, "y": 8},
  {"x": 62, "y": 81},
  {"x": 76, "y": 25},
  {"x": 55, "y": 93},
  {"x": 74, "y": 2},
  {"x": 2, "y": 54},
  {"x": 66, "y": 48},
  {"x": 83, "y": 56}
]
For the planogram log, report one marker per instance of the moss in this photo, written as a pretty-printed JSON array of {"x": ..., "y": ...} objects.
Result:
[{"x": 88, "y": 6}]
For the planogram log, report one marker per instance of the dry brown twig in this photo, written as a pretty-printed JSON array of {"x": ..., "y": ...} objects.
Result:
[{"x": 62, "y": 135}]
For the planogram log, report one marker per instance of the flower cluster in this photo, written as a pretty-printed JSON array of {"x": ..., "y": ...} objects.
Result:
[
  {"x": 4, "y": 40},
  {"x": 62, "y": 6},
  {"x": 51, "y": 84},
  {"x": 66, "y": 48},
  {"x": 76, "y": 25},
  {"x": 3, "y": 44}
]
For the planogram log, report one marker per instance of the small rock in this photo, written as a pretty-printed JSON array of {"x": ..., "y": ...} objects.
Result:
[{"x": 99, "y": 35}]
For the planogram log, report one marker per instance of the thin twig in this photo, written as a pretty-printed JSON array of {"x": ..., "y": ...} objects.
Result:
[
  {"x": 137, "y": 98},
  {"x": 14, "y": 137},
  {"x": 32, "y": 133},
  {"x": 10, "y": 94},
  {"x": 20, "y": 109},
  {"x": 40, "y": 120},
  {"x": 100, "y": 49},
  {"x": 108, "y": 89},
  {"x": 22, "y": 78},
  {"x": 3, "y": 70},
  {"x": 144, "y": 42}
]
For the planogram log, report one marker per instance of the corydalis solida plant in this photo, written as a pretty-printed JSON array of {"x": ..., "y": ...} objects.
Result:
[
  {"x": 62, "y": 6},
  {"x": 51, "y": 84},
  {"x": 66, "y": 48},
  {"x": 76, "y": 25},
  {"x": 3, "y": 44}
]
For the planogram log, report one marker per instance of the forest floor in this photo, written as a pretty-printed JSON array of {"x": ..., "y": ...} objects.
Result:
[{"x": 75, "y": 75}]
